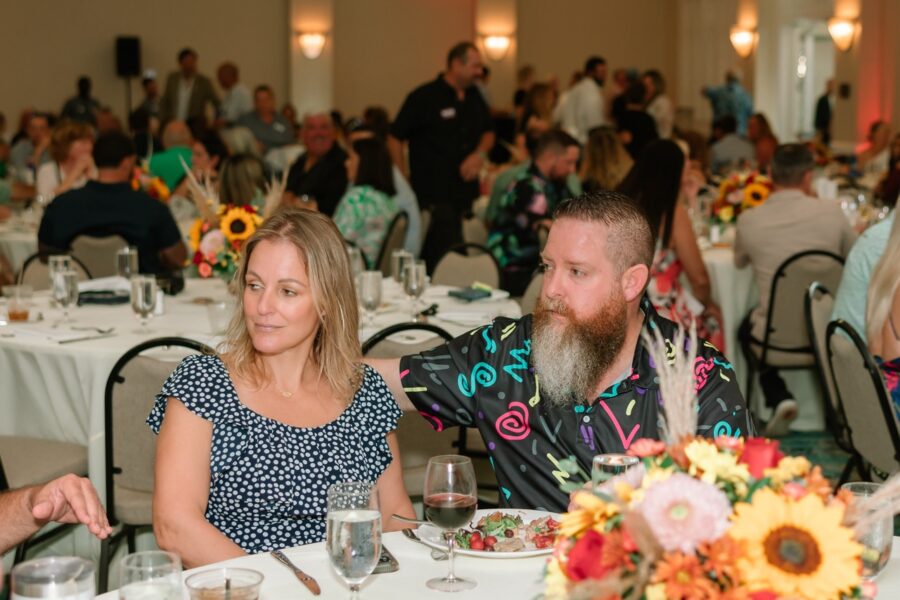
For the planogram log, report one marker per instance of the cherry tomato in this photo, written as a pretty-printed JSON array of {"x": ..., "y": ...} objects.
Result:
[
  {"x": 489, "y": 541},
  {"x": 476, "y": 544},
  {"x": 476, "y": 535}
]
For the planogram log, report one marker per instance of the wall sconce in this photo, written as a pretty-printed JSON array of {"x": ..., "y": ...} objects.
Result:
[
  {"x": 311, "y": 44},
  {"x": 743, "y": 40},
  {"x": 496, "y": 46},
  {"x": 842, "y": 32}
]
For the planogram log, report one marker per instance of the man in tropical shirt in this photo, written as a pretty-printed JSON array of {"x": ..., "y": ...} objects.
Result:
[
  {"x": 574, "y": 379},
  {"x": 527, "y": 206}
]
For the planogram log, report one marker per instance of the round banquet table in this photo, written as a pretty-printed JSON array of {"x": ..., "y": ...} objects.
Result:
[
  {"x": 497, "y": 578},
  {"x": 18, "y": 241}
]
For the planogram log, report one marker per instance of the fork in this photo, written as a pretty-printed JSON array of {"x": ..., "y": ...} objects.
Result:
[{"x": 435, "y": 553}]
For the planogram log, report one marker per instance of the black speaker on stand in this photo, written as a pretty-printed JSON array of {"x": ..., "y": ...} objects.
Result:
[{"x": 128, "y": 64}]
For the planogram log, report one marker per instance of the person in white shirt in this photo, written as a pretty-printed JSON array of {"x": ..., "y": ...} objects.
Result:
[
  {"x": 71, "y": 144},
  {"x": 659, "y": 106},
  {"x": 582, "y": 107},
  {"x": 236, "y": 102}
]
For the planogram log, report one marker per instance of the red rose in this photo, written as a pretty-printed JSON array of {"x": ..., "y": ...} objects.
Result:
[
  {"x": 760, "y": 454},
  {"x": 764, "y": 595},
  {"x": 584, "y": 559},
  {"x": 198, "y": 257}
]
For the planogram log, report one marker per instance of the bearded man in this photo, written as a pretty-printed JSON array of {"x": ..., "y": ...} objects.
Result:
[{"x": 574, "y": 379}]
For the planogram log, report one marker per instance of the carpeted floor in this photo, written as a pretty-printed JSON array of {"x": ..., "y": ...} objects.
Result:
[{"x": 819, "y": 447}]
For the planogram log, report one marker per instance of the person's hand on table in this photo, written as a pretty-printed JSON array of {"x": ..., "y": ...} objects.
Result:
[{"x": 70, "y": 499}]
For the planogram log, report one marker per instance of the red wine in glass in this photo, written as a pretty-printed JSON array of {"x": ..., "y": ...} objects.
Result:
[{"x": 449, "y": 510}]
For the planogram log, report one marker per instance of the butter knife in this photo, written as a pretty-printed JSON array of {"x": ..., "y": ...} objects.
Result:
[
  {"x": 305, "y": 579},
  {"x": 87, "y": 337}
]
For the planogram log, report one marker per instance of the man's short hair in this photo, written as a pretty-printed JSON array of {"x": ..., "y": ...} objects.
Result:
[
  {"x": 555, "y": 140},
  {"x": 592, "y": 63},
  {"x": 727, "y": 123},
  {"x": 460, "y": 52},
  {"x": 263, "y": 88},
  {"x": 111, "y": 148},
  {"x": 790, "y": 163},
  {"x": 629, "y": 241},
  {"x": 185, "y": 52}
]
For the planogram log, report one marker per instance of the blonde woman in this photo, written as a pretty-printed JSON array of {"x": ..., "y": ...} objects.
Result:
[
  {"x": 251, "y": 439},
  {"x": 71, "y": 144},
  {"x": 606, "y": 162},
  {"x": 883, "y": 314}
]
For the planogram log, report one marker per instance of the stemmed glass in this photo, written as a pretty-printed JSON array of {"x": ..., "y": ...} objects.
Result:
[
  {"x": 357, "y": 263},
  {"x": 370, "y": 293},
  {"x": 152, "y": 574},
  {"x": 607, "y": 466},
  {"x": 127, "y": 262},
  {"x": 57, "y": 263},
  {"x": 353, "y": 532},
  {"x": 414, "y": 282},
  {"x": 450, "y": 499},
  {"x": 399, "y": 260},
  {"x": 143, "y": 299},
  {"x": 65, "y": 291}
]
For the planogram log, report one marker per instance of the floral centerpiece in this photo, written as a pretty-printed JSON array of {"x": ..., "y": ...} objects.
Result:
[
  {"x": 153, "y": 186},
  {"x": 216, "y": 247},
  {"x": 697, "y": 518},
  {"x": 739, "y": 192}
]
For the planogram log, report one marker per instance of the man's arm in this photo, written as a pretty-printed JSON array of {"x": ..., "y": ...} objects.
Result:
[
  {"x": 174, "y": 257},
  {"x": 471, "y": 166},
  {"x": 389, "y": 369},
  {"x": 69, "y": 499}
]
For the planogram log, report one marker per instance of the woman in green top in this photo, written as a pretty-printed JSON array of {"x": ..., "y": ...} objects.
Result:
[{"x": 365, "y": 212}]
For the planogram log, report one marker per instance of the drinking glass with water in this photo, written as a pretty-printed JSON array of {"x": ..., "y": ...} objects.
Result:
[{"x": 353, "y": 532}]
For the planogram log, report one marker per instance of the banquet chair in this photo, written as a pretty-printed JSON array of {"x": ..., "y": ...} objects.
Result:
[
  {"x": 418, "y": 440},
  {"x": 26, "y": 461},
  {"x": 786, "y": 344},
  {"x": 457, "y": 269},
  {"x": 393, "y": 240},
  {"x": 818, "y": 305},
  {"x": 98, "y": 254},
  {"x": 871, "y": 419},
  {"x": 532, "y": 293},
  {"x": 474, "y": 231},
  {"x": 130, "y": 393},
  {"x": 37, "y": 274}
]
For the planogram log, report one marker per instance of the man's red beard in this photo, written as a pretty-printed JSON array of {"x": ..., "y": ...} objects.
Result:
[{"x": 571, "y": 356}]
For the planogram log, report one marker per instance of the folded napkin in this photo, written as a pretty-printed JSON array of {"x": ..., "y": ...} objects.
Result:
[
  {"x": 465, "y": 317},
  {"x": 114, "y": 284}
]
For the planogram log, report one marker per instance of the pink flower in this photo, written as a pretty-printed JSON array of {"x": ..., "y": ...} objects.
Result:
[
  {"x": 794, "y": 490},
  {"x": 204, "y": 270},
  {"x": 682, "y": 512},
  {"x": 212, "y": 243},
  {"x": 646, "y": 447}
]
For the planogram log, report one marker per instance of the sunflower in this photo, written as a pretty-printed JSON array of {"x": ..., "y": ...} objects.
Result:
[
  {"x": 237, "y": 224},
  {"x": 755, "y": 194},
  {"x": 796, "y": 549}
]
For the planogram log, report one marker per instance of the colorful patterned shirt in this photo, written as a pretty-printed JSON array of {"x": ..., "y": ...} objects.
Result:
[
  {"x": 485, "y": 379},
  {"x": 363, "y": 216}
]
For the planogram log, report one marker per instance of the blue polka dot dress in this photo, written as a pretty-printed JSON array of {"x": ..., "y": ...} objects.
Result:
[{"x": 268, "y": 480}]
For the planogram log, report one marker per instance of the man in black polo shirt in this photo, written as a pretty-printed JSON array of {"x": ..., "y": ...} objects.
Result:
[
  {"x": 109, "y": 206},
  {"x": 574, "y": 379},
  {"x": 318, "y": 174},
  {"x": 448, "y": 128}
]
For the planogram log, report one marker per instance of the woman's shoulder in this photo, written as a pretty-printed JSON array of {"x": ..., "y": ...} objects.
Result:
[
  {"x": 374, "y": 400},
  {"x": 195, "y": 372}
]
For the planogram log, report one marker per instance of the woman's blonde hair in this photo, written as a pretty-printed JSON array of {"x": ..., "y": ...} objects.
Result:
[
  {"x": 64, "y": 134},
  {"x": 605, "y": 160},
  {"x": 883, "y": 285},
  {"x": 335, "y": 350}
]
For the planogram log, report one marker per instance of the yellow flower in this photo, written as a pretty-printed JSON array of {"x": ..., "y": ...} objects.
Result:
[
  {"x": 195, "y": 234},
  {"x": 797, "y": 549},
  {"x": 755, "y": 194},
  {"x": 655, "y": 591},
  {"x": 556, "y": 582},
  {"x": 706, "y": 457},
  {"x": 237, "y": 224},
  {"x": 591, "y": 512},
  {"x": 788, "y": 468},
  {"x": 726, "y": 213}
]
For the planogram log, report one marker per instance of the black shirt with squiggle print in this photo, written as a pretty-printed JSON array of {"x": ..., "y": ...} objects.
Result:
[{"x": 485, "y": 379}]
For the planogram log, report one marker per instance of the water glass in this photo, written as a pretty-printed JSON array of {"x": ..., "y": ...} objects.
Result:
[
  {"x": 18, "y": 301},
  {"x": 370, "y": 293},
  {"x": 143, "y": 299},
  {"x": 153, "y": 575},
  {"x": 226, "y": 583},
  {"x": 357, "y": 262},
  {"x": 878, "y": 538},
  {"x": 353, "y": 532},
  {"x": 415, "y": 280},
  {"x": 607, "y": 466},
  {"x": 59, "y": 577},
  {"x": 65, "y": 291},
  {"x": 127, "y": 262},
  {"x": 399, "y": 260},
  {"x": 58, "y": 263},
  {"x": 219, "y": 314}
]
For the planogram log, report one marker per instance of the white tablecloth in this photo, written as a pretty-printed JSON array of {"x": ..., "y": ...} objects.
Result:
[
  {"x": 519, "y": 578},
  {"x": 18, "y": 241}
]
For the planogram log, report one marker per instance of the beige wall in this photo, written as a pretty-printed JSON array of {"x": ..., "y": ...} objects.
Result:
[
  {"x": 556, "y": 36},
  {"x": 47, "y": 44},
  {"x": 385, "y": 48}
]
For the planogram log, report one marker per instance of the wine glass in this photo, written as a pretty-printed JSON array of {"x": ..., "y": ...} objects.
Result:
[
  {"x": 399, "y": 260},
  {"x": 353, "y": 531},
  {"x": 357, "y": 262},
  {"x": 450, "y": 499},
  {"x": 127, "y": 262},
  {"x": 143, "y": 299},
  {"x": 58, "y": 263},
  {"x": 878, "y": 537},
  {"x": 154, "y": 574},
  {"x": 607, "y": 466},
  {"x": 414, "y": 282},
  {"x": 65, "y": 291},
  {"x": 370, "y": 293}
]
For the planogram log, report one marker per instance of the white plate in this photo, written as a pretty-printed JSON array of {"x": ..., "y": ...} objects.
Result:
[{"x": 434, "y": 537}]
